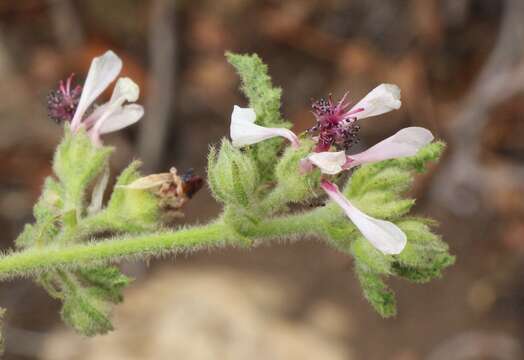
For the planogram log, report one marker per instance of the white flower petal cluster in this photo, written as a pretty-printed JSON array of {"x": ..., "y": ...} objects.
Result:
[{"x": 115, "y": 114}]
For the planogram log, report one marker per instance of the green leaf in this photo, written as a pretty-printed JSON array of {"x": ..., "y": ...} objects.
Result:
[
  {"x": 108, "y": 282},
  {"x": 130, "y": 174},
  {"x": 265, "y": 100},
  {"x": 257, "y": 86},
  {"x": 375, "y": 291},
  {"x": 84, "y": 311},
  {"x": 88, "y": 297}
]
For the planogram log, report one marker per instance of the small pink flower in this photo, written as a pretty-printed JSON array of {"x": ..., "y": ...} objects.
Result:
[
  {"x": 245, "y": 132},
  {"x": 113, "y": 115},
  {"x": 406, "y": 142},
  {"x": 337, "y": 123},
  {"x": 383, "y": 235}
]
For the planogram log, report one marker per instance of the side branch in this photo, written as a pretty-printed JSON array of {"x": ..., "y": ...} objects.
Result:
[{"x": 37, "y": 260}]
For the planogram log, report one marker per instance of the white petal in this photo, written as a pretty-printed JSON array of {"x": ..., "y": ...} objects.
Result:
[
  {"x": 97, "y": 196},
  {"x": 243, "y": 115},
  {"x": 103, "y": 70},
  {"x": 123, "y": 117},
  {"x": 90, "y": 120},
  {"x": 383, "y": 235},
  {"x": 406, "y": 142},
  {"x": 382, "y": 99},
  {"x": 244, "y": 131},
  {"x": 329, "y": 162},
  {"x": 127, "y": 89}
]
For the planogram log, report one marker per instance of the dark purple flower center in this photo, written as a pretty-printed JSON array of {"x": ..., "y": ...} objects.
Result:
[
  {"x": 336, "y": 124},
  {"x": 62, "y": 102}
]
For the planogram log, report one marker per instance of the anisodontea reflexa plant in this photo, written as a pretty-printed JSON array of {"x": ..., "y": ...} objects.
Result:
[{"x": 71, "y": 248}]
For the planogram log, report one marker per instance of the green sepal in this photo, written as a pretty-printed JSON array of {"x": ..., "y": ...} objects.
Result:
[
  {"x": 419, "y": 162},
  {"x": 383, "y": 205},
  {"x": 292, "y": 185},
  {"x": 130, "y": 210},
  {"x": 27, "y": 237},
  {"x": 50, "y": 202},
  {"x": 425, "y": 254},
  {"x": 366, "y": 254},
  {"x": 77, "y": 163},
  {"x": 47, "y": 212},
  {"x": 233, "y": 176},
  {"x": 391, "y": 176}
]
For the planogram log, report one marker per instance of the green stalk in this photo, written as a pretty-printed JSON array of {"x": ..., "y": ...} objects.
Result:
[{"x": 34, "y": 261}]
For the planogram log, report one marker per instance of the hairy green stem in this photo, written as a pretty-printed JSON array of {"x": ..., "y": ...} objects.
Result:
[
  {"x": 274, "y": 201},
  {"x": 218, "y": 234}
]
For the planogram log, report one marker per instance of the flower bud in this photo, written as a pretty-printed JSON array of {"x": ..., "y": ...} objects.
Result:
[
  {"x": 233, "y": 175},
  {"x": 297, "y": 185}
]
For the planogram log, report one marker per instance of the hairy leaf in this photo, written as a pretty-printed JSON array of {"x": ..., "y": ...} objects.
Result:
[{"x": 265, "y": 100}]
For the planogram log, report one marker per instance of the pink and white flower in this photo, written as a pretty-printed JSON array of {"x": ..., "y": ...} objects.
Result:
[
  {"x": 245, "y": 132},
  {"x": 383, "y": 235},
  {"x": 113, "y": 115},
  {"x": 406, "y": 142},
  {"x": 337, "y": 122}
]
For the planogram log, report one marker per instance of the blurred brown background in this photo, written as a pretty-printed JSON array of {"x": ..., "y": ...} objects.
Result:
[{"x": 460, "y": 64}]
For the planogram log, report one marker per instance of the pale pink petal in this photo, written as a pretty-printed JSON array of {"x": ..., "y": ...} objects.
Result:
[
  {"x": 406, "y": 142},
  {"x": 329, "y": 162},
  {"x": 103, "y": 70},
  {"x": 123, "y": 117},
  {"x": 305, "y": 166},
  {"x": 125, "y": 88},
  {"x": 114, "y": 117},
  {"x": 244, "y": 131},
  {"x": 382, "y": 99},
  {"x": 383, "y": 235},
  {"x": 90, "y": 120}
]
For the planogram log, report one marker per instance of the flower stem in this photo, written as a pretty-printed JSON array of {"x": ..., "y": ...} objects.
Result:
[{"x": 35, "y": 261}]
